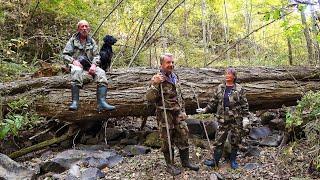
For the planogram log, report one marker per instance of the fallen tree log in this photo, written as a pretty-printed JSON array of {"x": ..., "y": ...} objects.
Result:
[
  {"x": 44, "y": 144},
  {"x": 266, "y": 88}
]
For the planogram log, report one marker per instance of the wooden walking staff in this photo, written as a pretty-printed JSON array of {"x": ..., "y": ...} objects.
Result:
[
  {"x": 166, "y": 120},
  {"x": 204, "y": 126}
]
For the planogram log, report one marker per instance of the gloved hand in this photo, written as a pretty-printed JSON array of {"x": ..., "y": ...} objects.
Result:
[
  {"x": 201, "y": 110},
  {"x": 76, "y": 63},
  {"x": 245, "y": 123},
  {"x": 92, "y": 70}
]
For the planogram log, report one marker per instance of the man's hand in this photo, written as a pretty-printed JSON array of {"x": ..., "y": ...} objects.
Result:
[
  {"x": 201, "y": 110},
  {"x": 77, "y": 63},
  {"x": 157, "y": 79},
  {"x": 182, "y": 116},
  {"x": 92, "y": 70}
]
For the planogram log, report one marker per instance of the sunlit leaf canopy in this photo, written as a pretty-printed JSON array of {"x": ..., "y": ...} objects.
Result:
[{"x": 198, "y": 31}]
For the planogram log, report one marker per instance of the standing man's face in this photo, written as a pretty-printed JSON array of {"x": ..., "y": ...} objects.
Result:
[
  {"x": 229, "y": 77},
  {"x": 167, "y": 64},
  {"x": 84, "y": 29}
]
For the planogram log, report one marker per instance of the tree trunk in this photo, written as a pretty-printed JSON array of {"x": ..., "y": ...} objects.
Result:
[
  {"x": 226, "y": 30},
  {"x": 163, "y": 36},
  {"x": 315, "y": 33},
  {"x": 307, "y": 36},
  {"x": 289, "y": 44},
  {"x": 266, "y": 88},
  {"x": 204, "y": 31},
  {"x": 247, "y": 16},
  {"x": 289, "y": 51}
]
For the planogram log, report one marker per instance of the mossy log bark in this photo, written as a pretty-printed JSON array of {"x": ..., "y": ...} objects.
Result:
[
  {"x": 266, "y": 88},
  {"x": 43, "y": 144}
]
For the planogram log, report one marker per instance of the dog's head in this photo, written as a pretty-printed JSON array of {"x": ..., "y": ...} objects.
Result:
[{"x": 109, "y": 40}]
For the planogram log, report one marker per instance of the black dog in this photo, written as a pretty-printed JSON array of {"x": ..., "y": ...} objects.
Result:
[{"x": 106, "y": 52}]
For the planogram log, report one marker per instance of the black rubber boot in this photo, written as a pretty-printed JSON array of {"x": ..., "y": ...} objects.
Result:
[
  {"x": 216, "y": 158},
  {"x": 75, "y": 98},
  {"x": 185, "y": 161},
  {"x": 233, "y": 158},
  {"x": 101, "y": 98},
  {"x": 171, "y": 169}
]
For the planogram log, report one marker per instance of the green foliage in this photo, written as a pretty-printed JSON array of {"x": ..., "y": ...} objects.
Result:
[
  {"x": 272, "y": 15},
  {"x": 308, "y": 108},
  {"x": 19, "y": 117},
  {"x": 10, "y": 71},
  {"x": 19, "y": 104},
  {"x": 203, "y": 116},
  {"x": 312, "y": 131},
  {"x": 266, "y": 17},
  {"x": 54, "y": 21},
  {"x": 276, "y": 14},
  {"x": 302, "y": 7}
]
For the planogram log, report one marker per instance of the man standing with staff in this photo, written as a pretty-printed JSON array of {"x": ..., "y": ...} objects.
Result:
[{"x": 165, "y": 92}]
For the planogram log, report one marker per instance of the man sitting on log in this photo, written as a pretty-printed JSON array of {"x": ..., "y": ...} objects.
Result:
[
  {"x": 82, "y": 54},
  {"x": 165, "y": 88}
]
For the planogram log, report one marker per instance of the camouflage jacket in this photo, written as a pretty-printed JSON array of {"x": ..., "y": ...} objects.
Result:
[
  {"x": 74, "y": 49},
  {"x": 171, "y": 92},
  {"x": 238, "y": 108}
]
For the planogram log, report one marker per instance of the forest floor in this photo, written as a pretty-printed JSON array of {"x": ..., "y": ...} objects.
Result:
[
  {"x": 269, "y": 165},
  {"x": 289, "y": 162}
]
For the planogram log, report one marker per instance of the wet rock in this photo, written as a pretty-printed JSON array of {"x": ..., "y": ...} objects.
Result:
[
  {"x": 114, "y": 133},
  {"x": 46, "y": 155},
  {"x": 9, "y": 169},
  {"x": 74, "y": 171},
  {"x": 66, "y": 159},
  {"x": 259, "y": 132},
  {"x": 71, "y": 177},
  {"x": 51, "y": 166},
  {"x": 277, "y": 123},
  {"x": 253, "y": 151},
  {"x": 139, "y": 136},
  {"x": 216, "y": 176},
  {"x": 132, "y": 150},
  {"x": 66, "y": 144},
  {"x": 153, "y": 140},
  {"x": 213, "y": 176},
  {"x": 128, "y": 141},
  {"x": 89, "y": 139},
  {"x": 95, "y": 162},
  {"x": 273, "y": 140},
  {"x": 101, "y": 147},
  {"x": 251, "y": 166},
  {"x": 57, "y": 176},
  {"x": 195, "y": 127},
  {"x": 92, "y": 174},
  {"x": 266, "y": 117}
]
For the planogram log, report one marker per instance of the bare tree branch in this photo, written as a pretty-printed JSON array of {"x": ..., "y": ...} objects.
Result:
[
  {"x": 246, "y": 36},
  {"x": 154, "y": 32},
  {"x": 114, "y": 8}
]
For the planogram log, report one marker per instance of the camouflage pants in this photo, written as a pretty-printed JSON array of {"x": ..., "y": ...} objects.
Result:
[
  {"x": 178, "y": 130},
  {"x": 80, "y": 76},
  {"x": 230, "y": 135}
]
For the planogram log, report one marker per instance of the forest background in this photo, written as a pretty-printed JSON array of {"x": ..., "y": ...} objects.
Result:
[{"x": 199, "y": 33}]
